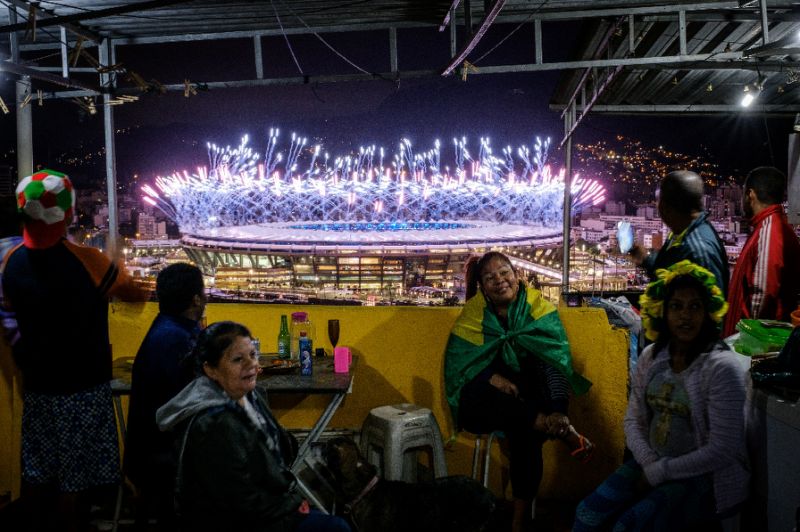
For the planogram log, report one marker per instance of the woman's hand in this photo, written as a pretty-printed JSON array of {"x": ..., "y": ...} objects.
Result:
[
  {"x": 557, "y": 424},
  {"x": 504, "y": 385}
]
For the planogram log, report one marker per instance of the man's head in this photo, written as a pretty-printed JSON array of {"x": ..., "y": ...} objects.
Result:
[
  {"x": 46, "y": 201},
  {"x": 680, "y": 199},
  {"x": 180, "y": 291},
  {"x": 764, "y": 186}
]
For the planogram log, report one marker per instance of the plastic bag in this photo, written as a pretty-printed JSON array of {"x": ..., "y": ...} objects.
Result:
[
  {"x": 761, "y": 336},
  {"x": 621, "y": 313}
]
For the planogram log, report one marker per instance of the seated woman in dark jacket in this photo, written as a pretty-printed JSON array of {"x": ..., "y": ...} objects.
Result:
[{"x": 233, "y": 471}]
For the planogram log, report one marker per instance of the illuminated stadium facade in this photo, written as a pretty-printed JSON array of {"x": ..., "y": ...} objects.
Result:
[
  {"x": 363, "y": 256},
  {"x": 363, "y": 222}
]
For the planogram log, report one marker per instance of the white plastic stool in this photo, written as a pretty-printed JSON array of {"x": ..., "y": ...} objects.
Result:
[{"x": 397, "y": 432}]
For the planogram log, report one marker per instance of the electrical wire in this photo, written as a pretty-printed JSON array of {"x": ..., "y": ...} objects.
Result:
[
  {"x": 286, "y": 38},
  {"x": 277, "y": 16},
  {"x": 512, "y": 32},
  {"x": 326, "y": 43}
]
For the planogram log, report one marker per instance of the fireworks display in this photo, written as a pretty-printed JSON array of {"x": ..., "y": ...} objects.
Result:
[{"x": 371, "y": 185}]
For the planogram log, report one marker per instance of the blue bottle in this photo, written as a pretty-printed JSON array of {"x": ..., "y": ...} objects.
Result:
[{"x": 305, "y": 354}]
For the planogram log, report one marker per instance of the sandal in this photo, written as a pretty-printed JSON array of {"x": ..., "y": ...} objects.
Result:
[{"x": 585, "y": 450}]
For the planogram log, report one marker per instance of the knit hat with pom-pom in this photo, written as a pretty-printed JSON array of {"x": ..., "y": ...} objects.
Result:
[{"x": 46, "y": 200}]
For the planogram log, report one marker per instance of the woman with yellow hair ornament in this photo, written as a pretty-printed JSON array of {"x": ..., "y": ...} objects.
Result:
[{"x": 685, "y": 421}]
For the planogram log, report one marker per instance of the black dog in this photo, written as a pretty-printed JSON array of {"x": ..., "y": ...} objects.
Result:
[{"x": 456, "y": 503}]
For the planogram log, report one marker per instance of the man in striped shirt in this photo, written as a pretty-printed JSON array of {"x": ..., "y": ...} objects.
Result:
[
  {"x": 680, "y": 205},
  {"x": 767, "y": 274}
]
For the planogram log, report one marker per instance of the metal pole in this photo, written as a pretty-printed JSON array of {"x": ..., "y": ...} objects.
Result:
[
  {"x": 258, "y": 56},
  {"x": 106, "y": 59},
  {"x": 631, "y": 36},
  {"x": 24, "y": 114},
  {"x": 682, "y": 31},
  {"x": 764, "y": 22},
  {"x": 64, "y": 53},
  {"x": 24, "y": 129},
  {"x": 453, "y": 47},
  {"x": 393, "y": 50},
  {"x": 569, "y": 119}
]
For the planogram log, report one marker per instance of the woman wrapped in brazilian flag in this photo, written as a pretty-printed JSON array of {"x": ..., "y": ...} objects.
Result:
[{"x": 508, "y": 368}]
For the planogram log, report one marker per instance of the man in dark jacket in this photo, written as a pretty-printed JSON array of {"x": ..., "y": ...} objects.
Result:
[
  {"x": 680, "y": 205},
  {"x": 159, "y": 373}
]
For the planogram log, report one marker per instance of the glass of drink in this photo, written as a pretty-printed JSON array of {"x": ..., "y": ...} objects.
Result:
[{"x": 333, "y": 332}]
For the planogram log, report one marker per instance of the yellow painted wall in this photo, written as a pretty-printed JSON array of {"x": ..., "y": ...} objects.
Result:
[
  {"x": 400, "y": 360},
  {"x": 10, "y": 423}
]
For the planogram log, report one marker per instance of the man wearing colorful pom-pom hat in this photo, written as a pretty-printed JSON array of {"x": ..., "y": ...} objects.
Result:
[{"x": 60, "y": 292}]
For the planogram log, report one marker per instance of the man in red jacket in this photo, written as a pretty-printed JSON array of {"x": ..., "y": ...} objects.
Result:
[{"x": 765, "y": 281}]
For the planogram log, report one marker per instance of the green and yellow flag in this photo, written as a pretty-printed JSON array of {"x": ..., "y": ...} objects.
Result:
[{"x": 534, "y": 328}]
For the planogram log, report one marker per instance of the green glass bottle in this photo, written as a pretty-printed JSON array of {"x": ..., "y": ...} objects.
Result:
[{"x": 284, "y": 339}]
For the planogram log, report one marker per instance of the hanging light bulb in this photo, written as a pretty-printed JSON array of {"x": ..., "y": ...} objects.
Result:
[{"x": 748, "y": 96}]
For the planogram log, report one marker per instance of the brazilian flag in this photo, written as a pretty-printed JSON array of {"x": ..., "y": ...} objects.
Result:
[{"x": 534, "y": 328}]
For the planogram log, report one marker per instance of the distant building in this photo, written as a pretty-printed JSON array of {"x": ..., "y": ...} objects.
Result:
[
  {"x": 647, "y": 210},
  {"x": 125, "y": 215},
  {"x": 100, "y": 218},
  {"x": 615, "y": 208},
  {"x": 722, "y": 209},
  {"x": 657, "y": 240},
  {"x": 593, "y": 224},
  {"x": 732, "y": 193},
  {"x": 593, "y": 236},
  {"x": 148, "y": 228}
]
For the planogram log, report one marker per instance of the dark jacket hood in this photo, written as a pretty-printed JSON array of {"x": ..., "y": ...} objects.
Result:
[{"x": 200, "y": 394}]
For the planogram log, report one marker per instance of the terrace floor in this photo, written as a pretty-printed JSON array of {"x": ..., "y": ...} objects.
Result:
[{"x": 551, "y": 516}]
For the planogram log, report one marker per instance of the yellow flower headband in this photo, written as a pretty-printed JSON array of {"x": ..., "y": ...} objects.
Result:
[{"x": 652, "y": 301}]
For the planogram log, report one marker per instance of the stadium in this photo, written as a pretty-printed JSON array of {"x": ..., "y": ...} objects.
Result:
[
  {"x": 358, "y": 256},
  {"x": 361, "y": 225}
]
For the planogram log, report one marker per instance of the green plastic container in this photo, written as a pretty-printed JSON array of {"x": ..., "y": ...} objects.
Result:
[{"x": 761, "y": 336}]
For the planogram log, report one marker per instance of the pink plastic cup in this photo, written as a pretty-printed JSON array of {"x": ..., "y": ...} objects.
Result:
[{"x": 341, "y": 359}]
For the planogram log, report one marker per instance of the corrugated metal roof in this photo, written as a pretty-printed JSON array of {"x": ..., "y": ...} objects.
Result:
[
  {"x": 711, "y": 83},
  {"x": 641, "y": 63}
]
